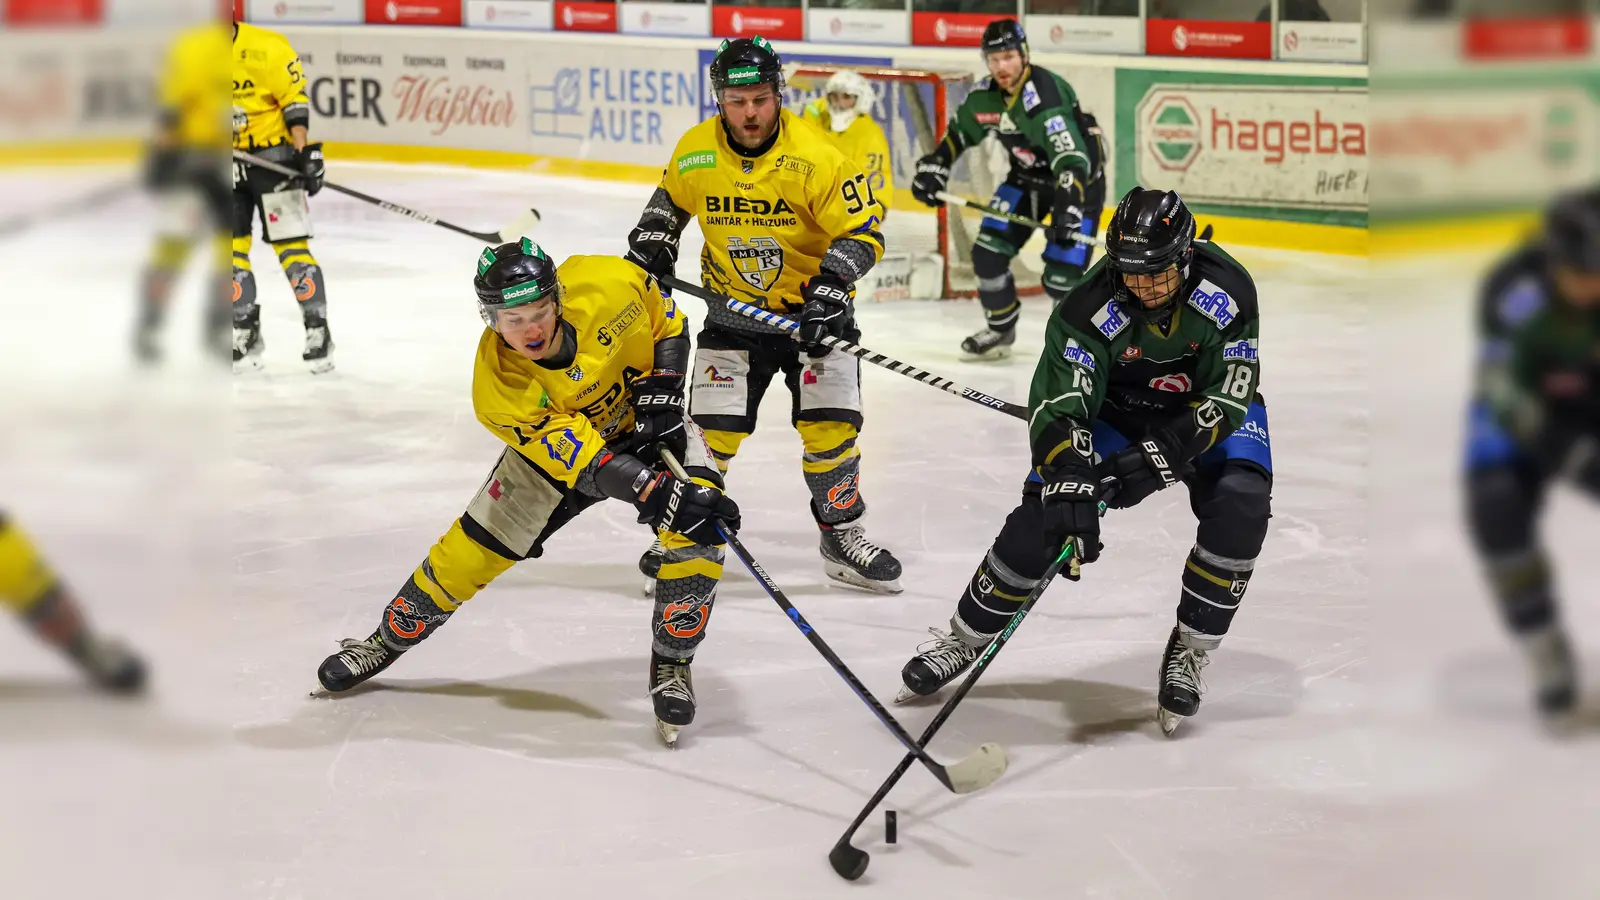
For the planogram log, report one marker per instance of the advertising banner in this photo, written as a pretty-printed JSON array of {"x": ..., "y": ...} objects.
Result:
[
  {"x": 413, "y": 12},
  {"x": 952, "y": 29},
  {"x": 1322, "y": 41},
  {"x": 681, "y": 19},
  {"x": 586, "y": 16},
  {"x": 1192, "y": 37},
  {"x": 60, "y": 85},
  {"x": 1555, "y": 37},
  {"x": 51, "y": 13},
  {"x": 772, "y": 22},
  {"x": 536, "y": 15},
  {"x": 858, "y": 26},
  {"x": 633, "y": 110},
  {"x": 1262, "y": 143},
  {"x": 307, "y": 12},
  {"x": 1086, "y": 34}
]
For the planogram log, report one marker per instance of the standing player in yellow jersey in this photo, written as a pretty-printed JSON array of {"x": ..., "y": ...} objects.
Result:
[
  {"x": 187, "y": 162},
  {"x": 790, "y": 225},
  {"x": 271, "y": 118},
  {"x": 844, "y": 113},
  {"x": 581, "y": 373}
]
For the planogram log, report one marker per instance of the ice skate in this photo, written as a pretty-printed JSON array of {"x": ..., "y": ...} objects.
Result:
[
  {"x": 1555, "y": 672},
  {"x": 355, "y": 662},
  {"x": 318, "y": 353},
  {"x": 850, "y": 558},
  {"x": 672, "y": 692},
  {"x": 110, "y": 664},
  {"x": 989, "y": 344},
  {"x": 650, "y": 566},
  {"x": 1180, "y": 683},
  {"x": 248, "y": 346},
  {"x": 938, "y": 662}
]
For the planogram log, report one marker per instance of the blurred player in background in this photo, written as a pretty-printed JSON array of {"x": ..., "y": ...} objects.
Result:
[
  {"x": 1150, "y": 367},
  {"x": 186, "y": 167},
  {"x": 31, "y": 589},
  {"x": 1535, "y": 422},
  {"x": 844, "y": 113},
  {"x": 271, "y": 118},
  {"x": 581, "y": 373},
  {"x": 1057, "y": 170},
  {"x": 790, "y": 225}
]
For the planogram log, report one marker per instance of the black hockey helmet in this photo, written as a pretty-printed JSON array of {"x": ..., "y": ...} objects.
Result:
[
  {"x": 512, "y": 275},
  {"x": 1150, "y": 232},
  {"x": 1572, "y": 231},
  {"x": 743, "y": 62},
  {"x": 1004, "y": 34}
]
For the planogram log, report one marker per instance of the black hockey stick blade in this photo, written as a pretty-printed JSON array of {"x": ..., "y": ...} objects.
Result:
[{"x": 1205, "y": 235}]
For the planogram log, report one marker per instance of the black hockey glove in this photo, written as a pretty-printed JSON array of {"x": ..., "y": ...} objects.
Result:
[
  {"x": 1071, "y": 499},
  {"x": 1135, "y": 473},
  {"x": 826, "y": 312},
  {"x": 658, "y": 411},
  {"x": 1066, "y": 212},
  {"x": 688, "y": 508},
  {"x": 933, "y": 176},
  {"x": 312, "y": 167},
  {"x": 653, "y": 247}
]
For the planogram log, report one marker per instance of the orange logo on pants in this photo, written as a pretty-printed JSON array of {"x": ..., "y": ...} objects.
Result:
[
  {"x": 400, "y": 611},
  {"x": 684, "y": 619}
]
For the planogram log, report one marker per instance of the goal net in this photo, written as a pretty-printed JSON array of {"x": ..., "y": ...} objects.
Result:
[{"x": 929, "y": 252}]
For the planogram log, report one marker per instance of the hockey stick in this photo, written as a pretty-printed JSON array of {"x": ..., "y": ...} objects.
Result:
[
  {"x": 977, "y": 771},
  {"x": 85, "y": 203},
  {"x": 851, "y": 862},
  {"x": 856, "y": 350},
  {"x": 954, "y": 200},
  {"x": 512, "y": 232}
]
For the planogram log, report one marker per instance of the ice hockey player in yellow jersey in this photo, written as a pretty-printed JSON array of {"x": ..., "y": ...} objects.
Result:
[
  {"x": 844, "y": 113},
  {"x": 790, "y": 224},
  {"x": 186, "y": 168},
  {"x": 581, "y": 374},
  {"x": 271, "y": 118},
  {"x": 32, "y": 590}
]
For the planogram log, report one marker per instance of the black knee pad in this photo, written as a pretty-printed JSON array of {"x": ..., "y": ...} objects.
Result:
[
  {"x": 1502, "y": 504},
  {"x": 1021, "y": 545},
  {"x": 1234, "y": 514},
  {"x": 988, "y": 264}
]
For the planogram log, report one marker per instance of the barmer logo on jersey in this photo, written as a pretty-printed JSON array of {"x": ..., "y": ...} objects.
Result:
[
  {"x": 1176, "y": 383},
  {"x": 1244, "y": 349},
  {"x": 1214, "y": 303},
  {"x": 760, "y": 261},
  {"x": 1077, "y": 354},
  {"x": 691, "y": 161},
  {"x": 1111, "y": 319},
  {"x": 1172, "y": 132}
]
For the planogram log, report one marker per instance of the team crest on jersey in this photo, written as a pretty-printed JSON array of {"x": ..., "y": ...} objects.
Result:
[
  {"x": 1111, "y": 319},
  {"x": 1054, "y": 125},
  {"x": 1078, "y": 355},
  {"x": 575, "y": 373},
  {"x": 1176, "y": 383},
  {"x": 1243, "y": 349},
  {"x": 760, "y": 261},
  {"x": 746, "y": 166},
  {"x": 1131, "y": 353},
  {"x": 1006, "y": 125},
  {"x": 1030, "y": 97},
  {"x": 1214, "y": 303}
]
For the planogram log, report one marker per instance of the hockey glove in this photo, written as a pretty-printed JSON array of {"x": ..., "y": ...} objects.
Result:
[
  {"x": 933, "y": 176},
  {"x": 653, "y": 247},
  {"x": 826, "y": 312},
  {"x": 658, "y": 411},
  {"x": 164, "y": 167},
  {"x": 1135, "y": 473},
  {"x": 1071, "y": 499},
  {"x": 312, "y": 167},
  {"x": 689, "y": 508},
  {"x": 1066, "y": 212}
]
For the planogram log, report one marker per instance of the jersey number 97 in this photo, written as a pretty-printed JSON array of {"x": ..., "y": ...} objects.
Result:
[{"x": 852, "y": 190}]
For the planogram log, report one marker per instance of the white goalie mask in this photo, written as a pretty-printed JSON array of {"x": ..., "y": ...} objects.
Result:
[{"x": 854, "y": 84}]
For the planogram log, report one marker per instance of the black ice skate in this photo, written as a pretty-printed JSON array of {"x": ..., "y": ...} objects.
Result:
[
  {"x": 110, "y": 664},
  {"x": 1555, "y": 673},
  {"x": 939, "y": 661},
  {"x": 355, "y": 662},
  {"x": 672, "y": 691},
  {"x": 650, "y": 566},
  {"x": 1180, "y": 683},
  {"x": 318, "y": 354},
  {"x": 248, "y": 346},
  {"x": 989, "y": 344},
  {"x": 848, "y": 557}
]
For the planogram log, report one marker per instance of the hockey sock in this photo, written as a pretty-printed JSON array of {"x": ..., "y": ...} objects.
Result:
[
  {"x": 992, "y": 597},
  {"x": 310, "y": 289},
  {"x": 1523, "y": 591},
  {"x": 1212, "y": 588},
  {"x": 834, "y": 477},
  {"x": 686, "y": 589},
  {"x": 1001, "y": 308}
]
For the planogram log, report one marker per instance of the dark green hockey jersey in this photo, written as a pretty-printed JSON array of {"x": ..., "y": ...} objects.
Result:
[
  {"x": 1042, "y": 128},
  {"x": 1100, "y": 362}
]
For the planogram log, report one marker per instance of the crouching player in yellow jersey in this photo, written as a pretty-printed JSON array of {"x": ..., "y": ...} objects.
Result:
[
  {"x": 186, "y": 167},
  {"x": 271, "y": 118},
  {"x": 844, "y": 113},
  {"x": 31, "y": 589},
  {"x": 790, "y": 225},
  {"x": 581, "y": 373}
]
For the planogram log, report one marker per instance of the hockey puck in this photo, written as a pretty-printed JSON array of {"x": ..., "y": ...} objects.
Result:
[{"x": 890, "y": 832}]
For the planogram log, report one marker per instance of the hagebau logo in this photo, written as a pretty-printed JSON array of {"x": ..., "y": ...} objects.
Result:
[{"x": 1172, "y": 133}]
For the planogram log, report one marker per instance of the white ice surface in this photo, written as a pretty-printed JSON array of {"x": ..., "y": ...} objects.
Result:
[{"x": 235, "y": 529}]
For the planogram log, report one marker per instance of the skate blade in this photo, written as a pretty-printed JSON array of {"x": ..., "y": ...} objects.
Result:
[
  {"x": 1168, "y": 721},
  {"x": 247, "y": 365},
  {"x": 845, "y": 575},
  {"x": 906, "y": 695},
  {"x": 995, "y": 355},
  {"x": 320, "y": 366},
  {"x": 668, "y": 733}
]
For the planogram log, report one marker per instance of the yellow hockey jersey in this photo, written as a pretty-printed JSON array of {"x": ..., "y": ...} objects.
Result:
[
  {"x": 560, "y": 418},
  {"x": 768, "y": 221},
  {"x": 194, "y": 87},
  {"x": 267, "y": 85},
  {"x": 862, "y": 142}
]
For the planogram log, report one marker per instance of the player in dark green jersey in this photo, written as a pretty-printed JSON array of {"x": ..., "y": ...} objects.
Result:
[
  {"x": 1057, "y": 170},
  {"x": 1148, "y": 378},
  {"x": 1535, "y": 421}
]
